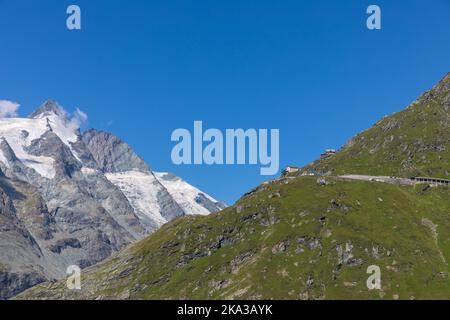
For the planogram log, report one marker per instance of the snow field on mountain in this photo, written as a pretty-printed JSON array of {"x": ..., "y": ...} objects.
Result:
[
  {"x": 141, "y": 190},
  {"x": 183, "y": 193}
]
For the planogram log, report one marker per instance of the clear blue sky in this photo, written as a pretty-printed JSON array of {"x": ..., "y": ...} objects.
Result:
[{"x": 141, "y": 69}]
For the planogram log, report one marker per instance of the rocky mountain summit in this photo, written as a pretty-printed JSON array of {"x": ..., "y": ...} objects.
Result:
[{"x": 72, "y": 198}]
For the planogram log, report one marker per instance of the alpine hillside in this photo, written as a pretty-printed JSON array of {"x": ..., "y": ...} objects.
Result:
[
  {"x": 310, "y": 234},
  {"x": 413, "y": 142}
]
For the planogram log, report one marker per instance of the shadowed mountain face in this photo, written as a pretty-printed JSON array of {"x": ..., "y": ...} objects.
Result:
[
  {"x": 306, "y": 237},
  {"x": 111, "y": 154},
  {"x": 63, "y": 200}
]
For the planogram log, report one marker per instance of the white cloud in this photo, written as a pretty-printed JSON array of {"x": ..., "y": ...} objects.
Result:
[
  {"x": 78, "y": 118},
  {"x": 8, "y": 109}
]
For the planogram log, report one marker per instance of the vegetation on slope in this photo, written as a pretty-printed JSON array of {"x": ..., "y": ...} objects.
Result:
[
  {"x": 303, "y": 237},
  {"x": 413, "y": 142},
  {"x": 290, "y": 239}
]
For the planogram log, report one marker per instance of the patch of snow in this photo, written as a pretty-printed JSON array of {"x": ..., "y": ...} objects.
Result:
[
  {"x": 183, "y": 193},
  {"x": 141, "y": 190},
  {"x": 13, "y": 130},
  {"x": 88, "y": 171},
  {"x": 20, "y": 132},
  {"x": 64, "y": 129},
  {"x": 3, "y": 159}
]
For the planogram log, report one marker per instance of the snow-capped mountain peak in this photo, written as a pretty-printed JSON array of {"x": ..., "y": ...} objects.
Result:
[
  {"x": 20, "y": 133},
  {"x": 74, "y": 198},
  {"x": 48, "y": 108}
]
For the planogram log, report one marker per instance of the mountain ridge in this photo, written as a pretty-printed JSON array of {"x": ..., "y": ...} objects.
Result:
[
  {"x": 402, "y": 144},
  {"x": 310, "y": 234},
  {"x": 66, "y": 209}
]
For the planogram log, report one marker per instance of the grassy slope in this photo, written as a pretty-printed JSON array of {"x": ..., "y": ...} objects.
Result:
[
  {"x": 413, "y": 142},
  {"x": 182, "y": 259}
]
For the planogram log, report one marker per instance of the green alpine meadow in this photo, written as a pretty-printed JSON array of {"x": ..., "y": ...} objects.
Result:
[{"x": 381, "y": 202}]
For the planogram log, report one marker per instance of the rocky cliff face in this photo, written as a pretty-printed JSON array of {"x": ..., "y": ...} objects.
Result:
[
  {"x": 62, "y": 202},
  {"x": 111, "y": 154}
]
